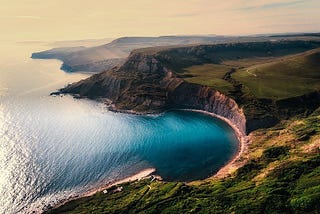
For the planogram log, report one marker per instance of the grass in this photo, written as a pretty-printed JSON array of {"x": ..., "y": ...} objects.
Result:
[
  {"x": 268, "y": 78},
  {"x": 284, "y": 78},
  {"x": 284, "y": 177},
  {"x": 209, "y": 75}
]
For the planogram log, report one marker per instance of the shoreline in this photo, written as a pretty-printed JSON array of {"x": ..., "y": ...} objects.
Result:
[
  {"x": 143, "y": 174},
  {"x": 231, "y": 165},
  {"x": 243, "y": 139},
  {"x": 136, "y": 177},
  {"x": 223, "y": 172}
]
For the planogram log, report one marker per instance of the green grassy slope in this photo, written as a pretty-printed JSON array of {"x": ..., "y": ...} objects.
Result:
[
  {"x": 281, "y": 175},
  {"x": 270, "y": 78},
  {"x": 210, "y": 75},
  {"x": 284, "y": 78}
]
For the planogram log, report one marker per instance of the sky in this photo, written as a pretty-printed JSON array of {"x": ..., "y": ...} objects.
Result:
[{"x": 56, "y": 20}]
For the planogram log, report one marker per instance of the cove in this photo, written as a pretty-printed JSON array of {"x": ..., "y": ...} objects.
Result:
[{"x": 55, "y": 147}]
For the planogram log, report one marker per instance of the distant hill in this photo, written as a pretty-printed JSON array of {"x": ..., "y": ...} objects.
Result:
[
  {"x": 82, "y": 42},
  {"x": 103, "y": 57},
  {"x": 107, "y": 56}
]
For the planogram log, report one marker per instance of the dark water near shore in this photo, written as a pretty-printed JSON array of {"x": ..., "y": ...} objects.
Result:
[{"x": 54, "y": 147}]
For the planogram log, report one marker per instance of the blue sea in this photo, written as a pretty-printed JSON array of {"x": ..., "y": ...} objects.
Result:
[{"x": 54, "y": 147}]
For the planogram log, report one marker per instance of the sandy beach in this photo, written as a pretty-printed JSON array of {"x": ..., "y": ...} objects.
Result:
[
  {"x": 233, "y": 164},
  {"x": 138, "y": 176}
]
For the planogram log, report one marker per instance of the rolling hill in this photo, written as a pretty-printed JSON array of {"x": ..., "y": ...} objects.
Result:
[{"x": 107, "y": 56}]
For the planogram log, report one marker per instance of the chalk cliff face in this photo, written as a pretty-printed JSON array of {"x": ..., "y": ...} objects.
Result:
[{"x": 143, "y": 84}]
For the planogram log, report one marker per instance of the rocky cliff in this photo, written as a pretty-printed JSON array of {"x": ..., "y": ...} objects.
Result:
[
  {"x": 149, "y": 82},
  {"x": 143, "y": 84},
  {"x": 193, "y": 96}
]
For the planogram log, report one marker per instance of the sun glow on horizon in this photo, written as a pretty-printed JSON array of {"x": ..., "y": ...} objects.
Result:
[{"x": 70, "y": 20}]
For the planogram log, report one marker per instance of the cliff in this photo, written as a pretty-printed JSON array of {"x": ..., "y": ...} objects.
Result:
[
  {"x": 150, "y": 81},
  {"x": 143, "y": 84}
]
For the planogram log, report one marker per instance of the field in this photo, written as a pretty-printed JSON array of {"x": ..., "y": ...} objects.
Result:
[
  {"x": 284, "y": 78},
  {"x": 210, "y": 75},
  {"x": 272, "y": 78}
]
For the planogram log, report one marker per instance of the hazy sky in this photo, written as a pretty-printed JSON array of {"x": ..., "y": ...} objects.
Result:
[{"x": 78, "y": 19}]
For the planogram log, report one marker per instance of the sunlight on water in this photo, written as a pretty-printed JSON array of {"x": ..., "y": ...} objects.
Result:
[{"x": 55, "y": 147}]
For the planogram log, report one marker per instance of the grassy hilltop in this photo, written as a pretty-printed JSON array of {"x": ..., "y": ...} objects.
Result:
[
  {"x": 277, "y": 84},
  {"x": 269, "y": 77},
  {"x": 260, "y": 68}
]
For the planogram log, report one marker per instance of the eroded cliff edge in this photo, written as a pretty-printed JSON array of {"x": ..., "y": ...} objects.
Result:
[
  {"x": 149, "y": 82},
  {"x": 144, "y": 85}
]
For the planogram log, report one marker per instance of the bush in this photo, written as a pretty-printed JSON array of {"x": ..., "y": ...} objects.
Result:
[
  {"x": 306, "y": 203},
  {"x": 273, "y": 153}
]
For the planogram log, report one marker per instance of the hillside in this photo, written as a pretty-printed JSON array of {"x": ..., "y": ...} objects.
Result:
[
  {"x": 263, "y": 77},
  {"x": 104, "y": 57},
  {"x": 107, "y": 56},
  {"x": 269, "y": 90}
]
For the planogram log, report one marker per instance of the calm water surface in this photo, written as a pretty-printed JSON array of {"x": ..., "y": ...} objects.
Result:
[{"x": 54, "y": 147}]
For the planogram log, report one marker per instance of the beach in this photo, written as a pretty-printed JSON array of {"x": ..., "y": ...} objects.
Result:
[
  {"x": 243, "y": 139},
  {"x": 226, "y": 170},
  {"x": 146, "y": 173}
]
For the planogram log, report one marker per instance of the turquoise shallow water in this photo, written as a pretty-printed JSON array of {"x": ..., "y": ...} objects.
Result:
[{"x": 55, "y": 147}]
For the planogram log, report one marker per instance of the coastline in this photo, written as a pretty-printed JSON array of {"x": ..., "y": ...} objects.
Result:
[
  {"x": 138, "y": 176},
  {"x": 143, "y": 174},
  {"x": 225, "y": 171},
  {"x": 243, "y": 139},
  {"x": 229, "y": 167}
]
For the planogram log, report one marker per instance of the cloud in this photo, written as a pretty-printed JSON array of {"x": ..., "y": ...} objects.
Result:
[{"x": 264, "y": 5}]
